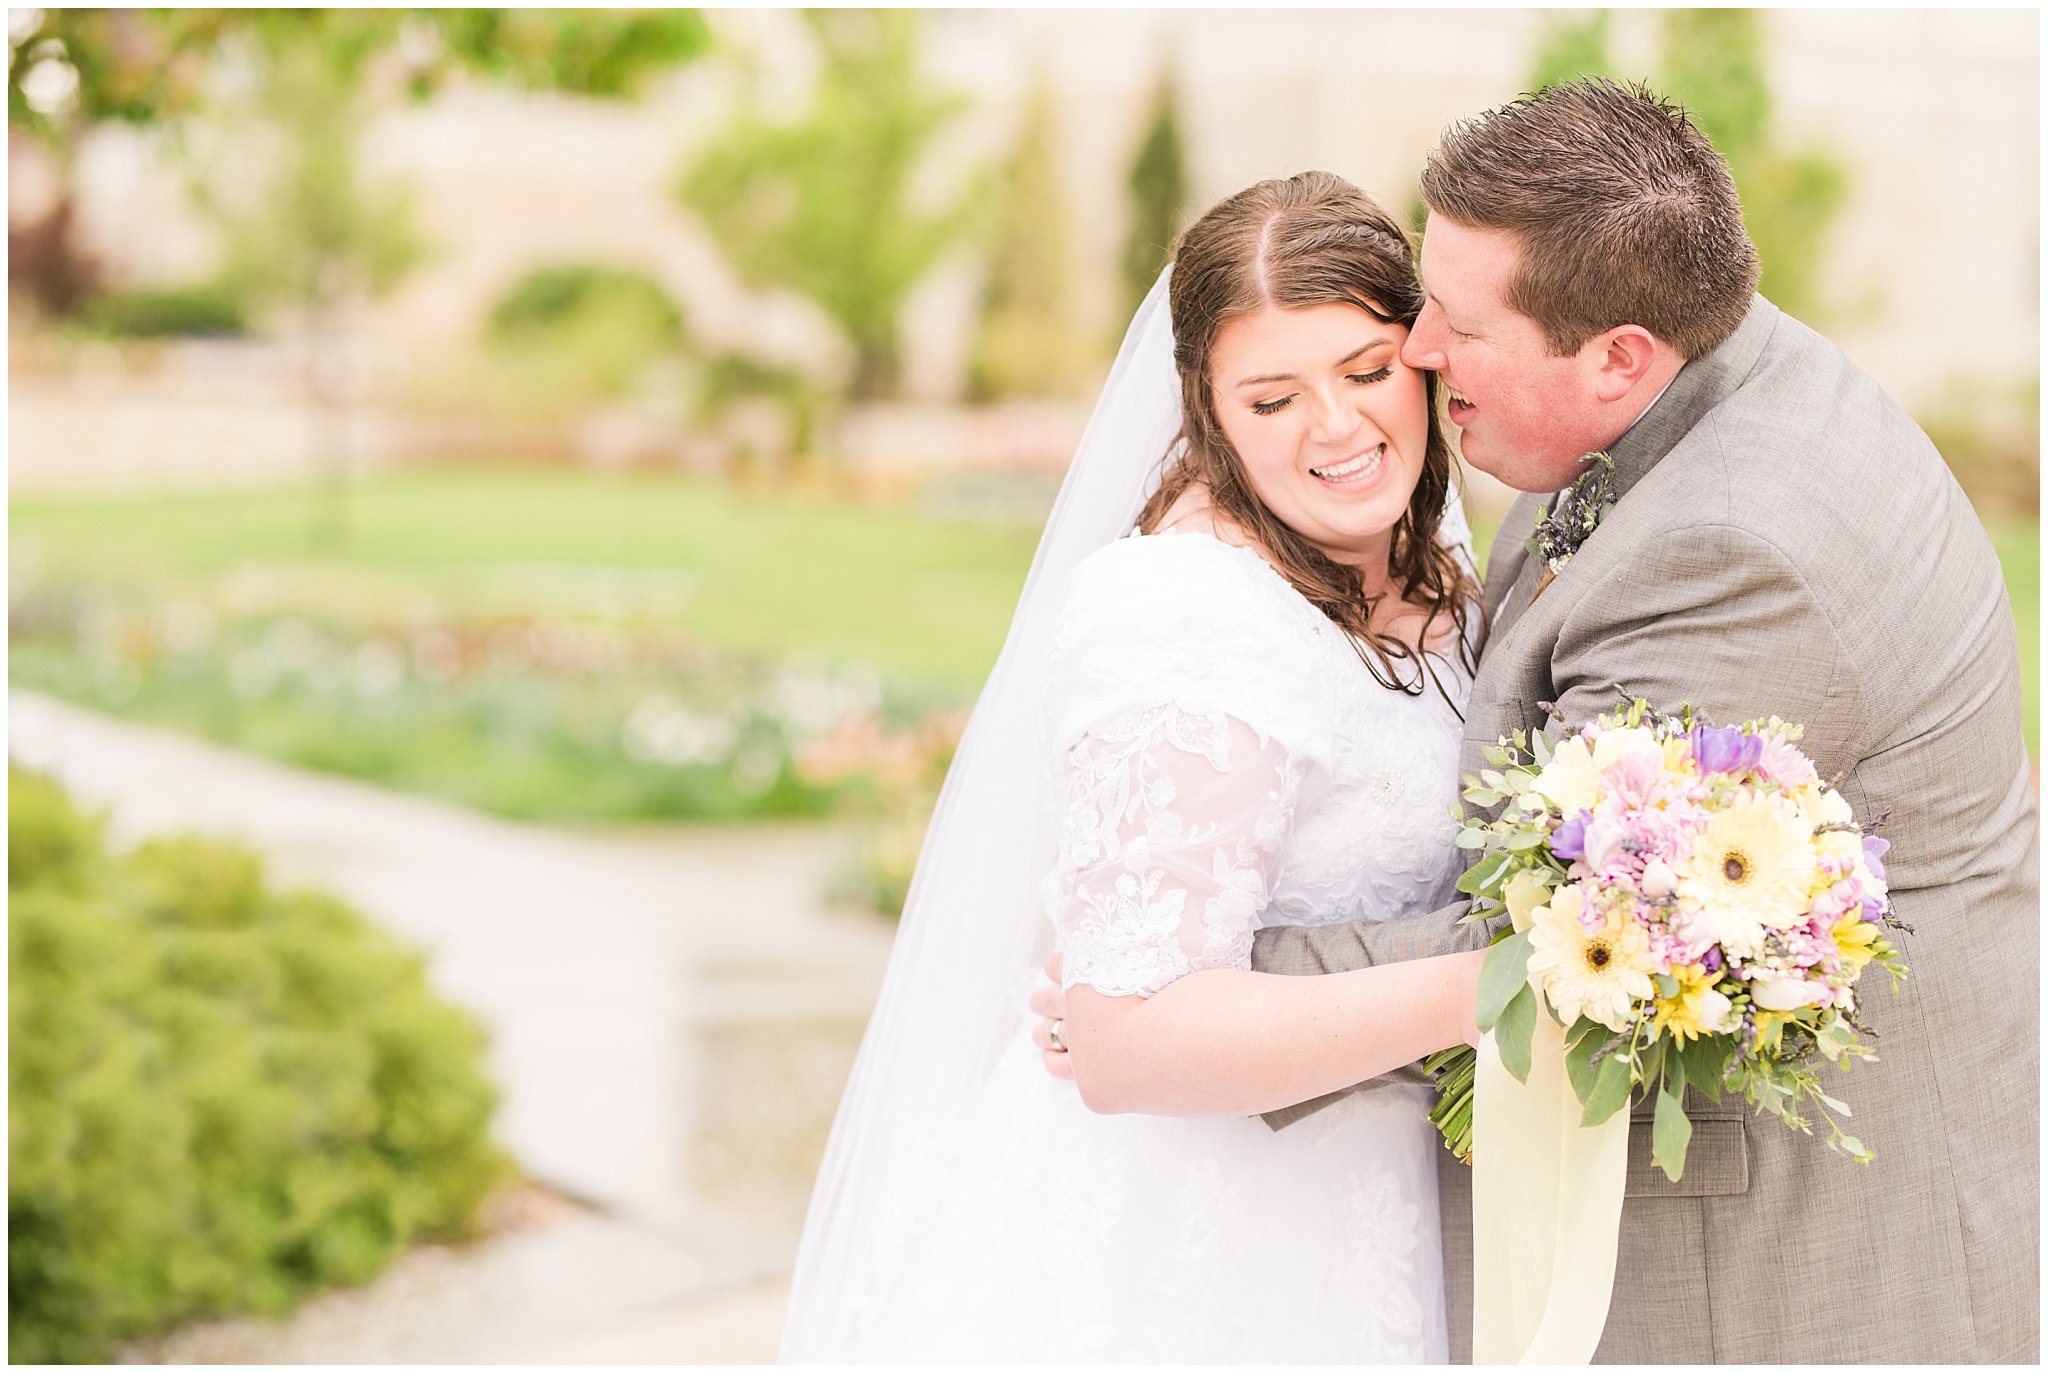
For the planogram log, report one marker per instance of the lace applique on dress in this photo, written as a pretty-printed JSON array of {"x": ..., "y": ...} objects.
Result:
[
  {"x": 1228, "y": 762},
  {"x": 1175, "y": 815}
]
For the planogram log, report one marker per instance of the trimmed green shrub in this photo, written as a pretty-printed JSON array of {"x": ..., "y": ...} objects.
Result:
[
  {"x": 210, "y": 308},
  {"x": 221, "y": 1097},
  {"x": 555, "y": 296},
  {"x": 572, "y": 334}
]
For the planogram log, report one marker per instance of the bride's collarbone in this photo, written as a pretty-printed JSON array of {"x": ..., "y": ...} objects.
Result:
[{"x": 1396, "y": 617}]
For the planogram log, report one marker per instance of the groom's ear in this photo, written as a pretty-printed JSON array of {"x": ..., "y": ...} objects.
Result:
[{"x": 1622, "y": 357}]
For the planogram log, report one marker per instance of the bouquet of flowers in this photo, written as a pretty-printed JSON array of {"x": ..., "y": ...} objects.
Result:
[{"x": 1696, "y": 907}]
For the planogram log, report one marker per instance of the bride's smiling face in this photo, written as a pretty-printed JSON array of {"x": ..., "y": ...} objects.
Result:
[{"x": 1332, "y": 427}]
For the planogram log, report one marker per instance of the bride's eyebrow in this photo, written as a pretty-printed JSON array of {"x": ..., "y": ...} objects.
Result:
[{"x": 1345, "y": 361}]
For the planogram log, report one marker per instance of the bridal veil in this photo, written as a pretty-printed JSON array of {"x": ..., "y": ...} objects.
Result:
[{"x": 973, "y": 920}]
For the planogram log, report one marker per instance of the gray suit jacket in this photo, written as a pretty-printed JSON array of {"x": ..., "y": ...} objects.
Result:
[{"x": 1788, "y": 542}]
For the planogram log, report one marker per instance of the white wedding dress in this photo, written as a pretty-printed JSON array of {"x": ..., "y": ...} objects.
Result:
[{"x": 1224, "y": 761}]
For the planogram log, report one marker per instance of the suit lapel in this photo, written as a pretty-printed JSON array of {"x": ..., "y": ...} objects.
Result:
[
  {"x": 1507, "y": 557},
  {"x": 1520, "y": 593}
]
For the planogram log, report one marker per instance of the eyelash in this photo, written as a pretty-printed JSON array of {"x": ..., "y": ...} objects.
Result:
[{"x": 1274, "y": 407}]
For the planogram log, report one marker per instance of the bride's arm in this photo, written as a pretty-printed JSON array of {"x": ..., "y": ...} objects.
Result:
[
  {"x": 1177, "y": 824},
  {"x": 1231, "y": 1042}
]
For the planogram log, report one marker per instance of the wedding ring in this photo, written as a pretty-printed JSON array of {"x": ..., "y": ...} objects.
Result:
[{"x": 1052, "y": 1035}]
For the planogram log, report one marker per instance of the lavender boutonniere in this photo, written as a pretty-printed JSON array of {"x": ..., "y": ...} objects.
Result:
[{"x": 1577, "y": 514}]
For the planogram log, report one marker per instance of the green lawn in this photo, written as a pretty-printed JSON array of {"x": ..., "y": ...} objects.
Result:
[{"x": 924, "y": 601}]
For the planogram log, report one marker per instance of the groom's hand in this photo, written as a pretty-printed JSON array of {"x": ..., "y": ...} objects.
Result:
[{"x": 1049, "y": 1004}]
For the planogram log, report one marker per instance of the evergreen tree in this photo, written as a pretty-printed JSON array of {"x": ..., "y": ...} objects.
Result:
[
  {"x": 1026, "y": 345},
  {"x": 1159, "y": 195},
  {"x": 1571, "y": 46},
  {"x": 1714, "y": 62}
]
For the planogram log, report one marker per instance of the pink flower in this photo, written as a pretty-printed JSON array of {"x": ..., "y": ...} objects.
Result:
[
  {"x": 1671, "y": 949},
  {"x": 1830, "y": 904},
  {"x": 1783, "y": 763},
  {"x": 1603, "y": 844}
]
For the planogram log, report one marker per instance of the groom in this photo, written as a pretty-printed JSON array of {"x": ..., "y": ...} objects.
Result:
[{"x": 1784, "y": 541}]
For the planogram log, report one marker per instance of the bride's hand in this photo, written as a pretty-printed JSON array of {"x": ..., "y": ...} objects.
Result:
[{"x": 1049, "y": 1004}]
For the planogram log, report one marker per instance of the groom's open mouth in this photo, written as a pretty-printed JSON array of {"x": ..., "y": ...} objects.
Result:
[
  {"x": 1362, "y": 468},
  {"x": 1460, "y": 408}
]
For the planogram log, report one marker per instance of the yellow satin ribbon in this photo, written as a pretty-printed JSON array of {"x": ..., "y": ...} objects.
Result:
[{"x": 1546, "y": 1203}]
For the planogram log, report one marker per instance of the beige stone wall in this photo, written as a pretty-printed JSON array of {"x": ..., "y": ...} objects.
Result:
[{"x": 1936, "y": 261}]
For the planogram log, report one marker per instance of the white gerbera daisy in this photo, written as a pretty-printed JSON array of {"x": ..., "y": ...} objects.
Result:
[
  {"x": 1749, "y": 871},
  {"x": 1601, "y": 975}
]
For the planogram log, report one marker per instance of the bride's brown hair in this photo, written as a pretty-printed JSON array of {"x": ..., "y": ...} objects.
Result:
[{"x": 1311, "y": 239}]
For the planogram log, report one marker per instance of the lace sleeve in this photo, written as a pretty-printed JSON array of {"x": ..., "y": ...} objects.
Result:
[
  {"x": 1175, "y": 820},
  {"x": 1188, "y": 721}
]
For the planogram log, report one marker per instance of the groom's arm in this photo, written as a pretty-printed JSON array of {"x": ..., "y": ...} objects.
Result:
[
  {"x": 1307, "y": 951},
  {"x": 1712, "y": 621}
]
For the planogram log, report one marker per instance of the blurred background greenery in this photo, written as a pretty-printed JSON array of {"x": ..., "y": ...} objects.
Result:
[{"x": 607, "y": 416}]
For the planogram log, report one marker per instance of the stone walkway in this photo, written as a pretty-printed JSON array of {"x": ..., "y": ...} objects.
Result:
[{"x": 672, "y": 1014}]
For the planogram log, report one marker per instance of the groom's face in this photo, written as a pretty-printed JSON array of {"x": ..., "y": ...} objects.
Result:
[{"x": 1523, "y": 413}]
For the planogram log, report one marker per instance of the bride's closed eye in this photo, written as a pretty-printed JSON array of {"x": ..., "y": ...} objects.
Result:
[{"x": 1275, "y": 406}]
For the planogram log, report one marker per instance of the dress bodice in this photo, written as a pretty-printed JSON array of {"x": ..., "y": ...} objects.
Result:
[{"x": 1226, "y": 760}]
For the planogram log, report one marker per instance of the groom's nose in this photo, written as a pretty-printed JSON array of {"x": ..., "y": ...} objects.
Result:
[{"x": 1425, "y": 346}]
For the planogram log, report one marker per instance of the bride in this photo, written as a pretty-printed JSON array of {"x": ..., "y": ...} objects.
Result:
[{"x": 1245, "y": 713}]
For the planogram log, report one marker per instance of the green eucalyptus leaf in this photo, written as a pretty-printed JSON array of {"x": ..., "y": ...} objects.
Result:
[
  {"x": 1610, "y": 1089},
  {"x": 1514, "y": 1032},
  {"x": 1706, "y": 1062},
  {"x": 1503, "y": 977},
  {"x": 1581, "y": 1042},
  {"x": 1670, "y": 1134},
  {"x": 1484, "y": 876}
]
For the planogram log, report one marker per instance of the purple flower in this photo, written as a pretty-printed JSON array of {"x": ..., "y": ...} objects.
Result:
[
  {"x": 1874, "y": 850},
  {"x": 1725, "y": 750},
  {"x": 1711, "y": 960},
  {"x": 1569, "y": 840},
  {"x": 1873, "y": 910}
]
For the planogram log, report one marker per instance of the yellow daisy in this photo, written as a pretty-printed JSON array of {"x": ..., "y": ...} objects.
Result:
[
  {"x": 1770, "y": 1030},
  {"x": 1750, "y": 869},
  {"x": 1855, "y": 941},
  {"x": 1696, "y": 1009},
  {"x": 1600, "y": 976}
]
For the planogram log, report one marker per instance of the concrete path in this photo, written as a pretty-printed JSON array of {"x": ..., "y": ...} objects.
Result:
[{"x": 672, "y": 1015}]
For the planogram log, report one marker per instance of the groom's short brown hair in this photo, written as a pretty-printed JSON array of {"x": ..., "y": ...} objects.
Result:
[{"x": 1624, "y": 212}]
